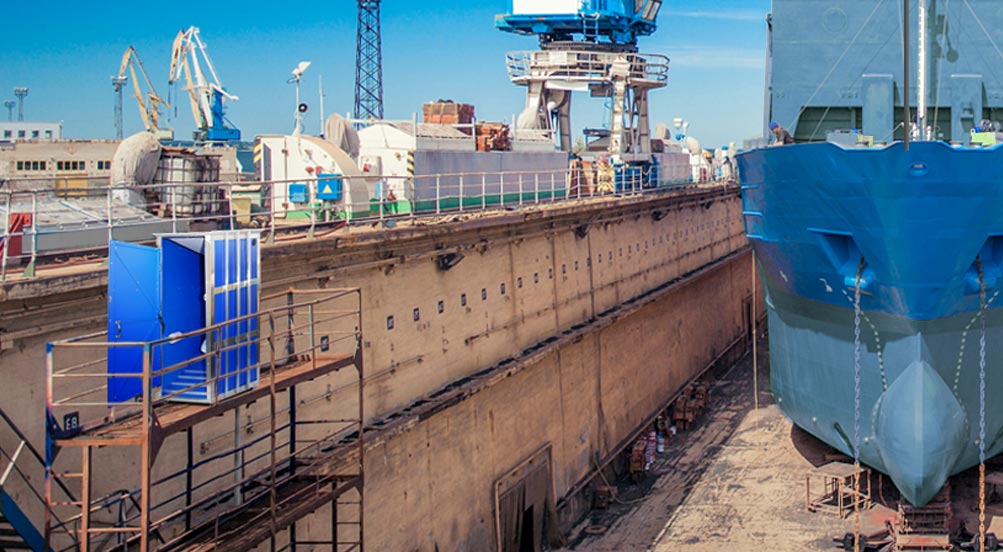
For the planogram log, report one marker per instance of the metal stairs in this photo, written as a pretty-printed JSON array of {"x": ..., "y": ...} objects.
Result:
[{"x": 10, "y": 539}]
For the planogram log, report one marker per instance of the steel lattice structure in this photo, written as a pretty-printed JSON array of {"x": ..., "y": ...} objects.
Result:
[{"x": 369, "y": 62}]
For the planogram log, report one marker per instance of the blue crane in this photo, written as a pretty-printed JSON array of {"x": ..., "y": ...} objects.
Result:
[{"x": 613, "y": 22}]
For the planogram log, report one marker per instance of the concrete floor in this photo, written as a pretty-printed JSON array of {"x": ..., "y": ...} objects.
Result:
[{"x": 737, "y": 482}]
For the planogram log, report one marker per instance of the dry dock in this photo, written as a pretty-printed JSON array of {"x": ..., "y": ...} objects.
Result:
[
  {"x": 492, "y": 388},
  {"x": 736, "y": 481}
]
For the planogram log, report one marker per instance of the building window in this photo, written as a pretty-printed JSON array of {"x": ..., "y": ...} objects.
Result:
[
  {"x": 48, "y": 135},
  {"x": 34, "y": 134},
  {"x": 104, "y": 165},
  {"x": 20, "y": 134},
  {"x": 8, "y": 134},
  {"x": 20, "y": 165}
]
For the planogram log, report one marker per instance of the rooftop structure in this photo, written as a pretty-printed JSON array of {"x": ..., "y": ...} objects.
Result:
[{"x": 11, "y": 131}]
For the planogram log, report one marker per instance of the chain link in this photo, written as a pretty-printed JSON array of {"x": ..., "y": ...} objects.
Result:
[
  {"x": 856, "y": 408},
  {"x": 982, "y": 406}
]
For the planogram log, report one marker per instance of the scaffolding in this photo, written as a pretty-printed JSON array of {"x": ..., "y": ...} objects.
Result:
[{"x": 251, "y": 492}]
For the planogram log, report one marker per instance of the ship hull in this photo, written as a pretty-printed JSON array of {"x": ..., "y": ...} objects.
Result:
[{"x": 916, "y": 226}]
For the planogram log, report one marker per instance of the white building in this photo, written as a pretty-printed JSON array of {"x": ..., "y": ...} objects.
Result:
[{"x": 17, "y": 131}]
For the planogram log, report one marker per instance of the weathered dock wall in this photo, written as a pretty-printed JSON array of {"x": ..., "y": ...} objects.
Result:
[{"x": 593, "y": 313}]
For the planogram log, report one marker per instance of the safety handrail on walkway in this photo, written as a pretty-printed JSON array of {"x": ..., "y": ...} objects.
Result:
[
  {"x": 46, "y": 224},
  {"x": 15, "y": 471},
  {"x": 301, "y": 335}
]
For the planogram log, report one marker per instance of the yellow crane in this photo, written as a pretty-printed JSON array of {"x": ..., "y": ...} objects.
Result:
[{"x": 149, "y": 103}]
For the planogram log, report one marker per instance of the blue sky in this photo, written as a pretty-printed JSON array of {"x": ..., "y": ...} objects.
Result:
[{"x": 65, "y": 52}]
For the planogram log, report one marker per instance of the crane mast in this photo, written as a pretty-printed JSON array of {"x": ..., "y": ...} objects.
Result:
[
  {"x": 205, "y": 91},
  {"x": 149, "y": 103}
]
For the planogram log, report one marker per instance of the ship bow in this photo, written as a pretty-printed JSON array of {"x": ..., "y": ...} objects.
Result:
[{"x": 921, "y": 430}]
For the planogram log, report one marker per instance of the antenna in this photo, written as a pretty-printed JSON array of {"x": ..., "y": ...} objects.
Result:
[
  {"x": 118, "y": 83},
  {"x": 21, "y": 92},
  {"x": 9, "y": 104},
  {"x": 320, "y": 85},
  {"x": 300, "y": 108}
]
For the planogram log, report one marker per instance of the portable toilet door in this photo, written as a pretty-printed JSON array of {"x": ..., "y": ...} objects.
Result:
[
  {"x": 211, "y": 279},
  {"x": 133, "y": 316}
]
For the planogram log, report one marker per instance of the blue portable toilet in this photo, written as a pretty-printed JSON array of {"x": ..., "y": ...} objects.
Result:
[{"x": 191, "y": 281}]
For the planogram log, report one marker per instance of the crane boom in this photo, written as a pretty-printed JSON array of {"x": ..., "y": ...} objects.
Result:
[
  {"x": 150, "y": 102},
  {"x": 206, "y": 96}
]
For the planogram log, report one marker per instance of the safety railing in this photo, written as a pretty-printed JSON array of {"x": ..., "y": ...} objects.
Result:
[
  {"x": 19, "y": 473},
  {"x": 311, "y": 334},
  {"x": 586, "y": 66},
  {"x": 43, "y": 225}
]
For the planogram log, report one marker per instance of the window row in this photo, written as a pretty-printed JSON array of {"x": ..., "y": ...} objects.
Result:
[
  {"x": 71, "y": 165},
  {"x": 32, "y": 165},
  {"x": 35, "y": 134}
]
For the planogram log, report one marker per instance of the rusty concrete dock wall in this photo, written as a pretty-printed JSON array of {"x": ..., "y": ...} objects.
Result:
[
  {"x": 431, "y": 486},
  {"x": 526, "y": 277}
]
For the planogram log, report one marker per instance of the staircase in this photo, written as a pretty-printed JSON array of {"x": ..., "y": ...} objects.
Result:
[
  {"x": 10, "y": 539},
  {"x": 16, "y": 529}
]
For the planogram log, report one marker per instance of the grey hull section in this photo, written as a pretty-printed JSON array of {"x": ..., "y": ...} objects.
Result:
[{"x": 919, "y": 386}]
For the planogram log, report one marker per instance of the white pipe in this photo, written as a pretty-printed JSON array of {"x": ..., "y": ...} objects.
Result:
[{"x": 921, "y": 74}]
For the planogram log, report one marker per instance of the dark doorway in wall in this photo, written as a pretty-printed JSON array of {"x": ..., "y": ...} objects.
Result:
[{"x": 525, "y": 505}]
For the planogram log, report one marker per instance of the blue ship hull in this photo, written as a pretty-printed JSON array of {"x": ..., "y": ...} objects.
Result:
[{"x": 919, "y": 219}]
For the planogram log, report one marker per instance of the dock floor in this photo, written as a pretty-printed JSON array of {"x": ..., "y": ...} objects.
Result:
[{"x": 736, "y": 481}]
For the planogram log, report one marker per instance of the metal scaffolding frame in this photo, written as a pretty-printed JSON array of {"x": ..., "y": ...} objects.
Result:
[
  {"x": 265, "y": 485},
  {"x": 369, "y": 62}
]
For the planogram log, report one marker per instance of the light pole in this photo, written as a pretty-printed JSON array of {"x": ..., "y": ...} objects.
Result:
[
  {"x": 21, "y": 92},
  {"x": 300, "y": 108},
  {"x": 9, "y": 104}
]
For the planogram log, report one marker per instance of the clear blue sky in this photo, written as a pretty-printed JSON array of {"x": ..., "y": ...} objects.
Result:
[{"x": 66, "y": 51}]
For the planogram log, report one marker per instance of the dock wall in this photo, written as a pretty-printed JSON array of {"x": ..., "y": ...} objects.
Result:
[{"x": 560, "y": 331}]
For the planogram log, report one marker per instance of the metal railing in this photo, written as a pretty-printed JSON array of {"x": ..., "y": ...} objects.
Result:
[
  {"x": 311, "y": 328},
  {"x": 585, "y": 66},
  {"x": 44, "y": 225},
  {"x": 16, "y": 482}
]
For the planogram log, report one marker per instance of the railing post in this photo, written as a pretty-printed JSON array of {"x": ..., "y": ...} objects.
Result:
[
  {"x": 229, "y": 205},
  {"x": 461, "y": 193},
  {"x": 553, "y": 189},
  {"x": 501, "y": 190},
  {"x": 146, "y": 460},
  {"x": 85, "y": 500},
  {"x": 311, "y": 205},
  {"x": 174, "y": 209},
  {"x": 520, "y": 189},
  {"x": 111, "y": 235},
  {"x": 271, "y": 212},
  {"x": 484, "y": 191},
  {"x": 29, "y": 271},
  {"x": 6, "y": 238},
  {"x": 536, "y": 188},
  {"x": 438, "y": 196}
]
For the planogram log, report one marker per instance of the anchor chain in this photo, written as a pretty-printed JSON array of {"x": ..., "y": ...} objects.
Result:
[
  {"x": 856, "y": 408},
  {"x": 982, "y": 406}
]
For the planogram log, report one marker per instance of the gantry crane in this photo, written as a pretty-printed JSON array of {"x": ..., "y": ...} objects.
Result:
[
  {"x": 149, "y": 103},
  {"x": 206, "y": 96}
]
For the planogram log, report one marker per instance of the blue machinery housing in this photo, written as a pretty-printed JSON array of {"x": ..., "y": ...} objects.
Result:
[{"x": 619, "y": 21}]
